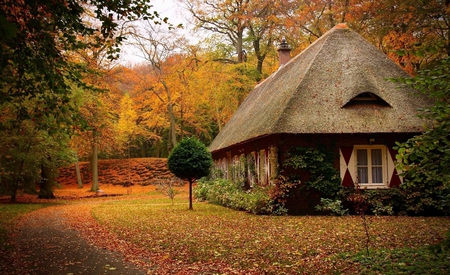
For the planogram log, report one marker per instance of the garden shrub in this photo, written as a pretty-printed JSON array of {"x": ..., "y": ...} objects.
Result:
[
  {"x": 312, "y": 170},
  {"x": 424, "y": 159},
  {"x": 427, "y": 198},
  {"x": 332, "y": 206},
  {"x": 232, "y": 195},
  {"x": 412, "y": 200},
  {"x": 386, "y": 201},
  {"x": 402, "y": 200}
]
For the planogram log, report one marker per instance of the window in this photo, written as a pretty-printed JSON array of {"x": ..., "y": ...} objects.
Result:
[
  {"x": 262, "y": 167},
  {"x": 252, "y": 174},
  {"x": 366, "y": 99},
  {"x": 370, "y": 166}
]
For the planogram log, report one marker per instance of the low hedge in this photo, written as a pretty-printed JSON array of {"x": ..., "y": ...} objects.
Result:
[{"x": 226, "y": 193}]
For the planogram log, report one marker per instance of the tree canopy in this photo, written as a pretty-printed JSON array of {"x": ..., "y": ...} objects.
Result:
[
  {"x": 424, "y": 159},
  {"x": 190, "y": 160},
  {"x": 39, "y": 74}
]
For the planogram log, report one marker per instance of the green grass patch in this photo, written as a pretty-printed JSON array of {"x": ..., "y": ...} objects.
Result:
[
  {"x": 9, "y": 213},
  {"x": 421, "y": 260},
  {"x": 268, "y": 244}
]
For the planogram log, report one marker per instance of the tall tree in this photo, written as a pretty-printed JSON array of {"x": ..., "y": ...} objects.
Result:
[
  {"x": 36, "y": 37},
  {"x": 205, "y": 95},
  {"x": 412, "y": 33},
  {"x": 226, "y": 17},
  {"x": 264, "y": 27},
  {"x": 126, "y": 125},
  {"x": 29, "y": 145},
  {"x": 424, "y": 158},
  {"x": 156, "y": 46},
  {"x": 416, "y": 33}
]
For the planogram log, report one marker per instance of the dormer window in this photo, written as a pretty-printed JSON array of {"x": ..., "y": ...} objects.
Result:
[{"x": 366, "y": 98}]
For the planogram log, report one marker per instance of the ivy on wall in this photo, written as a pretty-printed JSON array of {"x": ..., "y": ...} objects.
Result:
[{"x": 317, "y": 165}]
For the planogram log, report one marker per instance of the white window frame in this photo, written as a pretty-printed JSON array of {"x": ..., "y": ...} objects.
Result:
[
  {"x": 252, "y": 174},
  {"x": 262, "y": 167},
  {"x": 384, "y": 167}
]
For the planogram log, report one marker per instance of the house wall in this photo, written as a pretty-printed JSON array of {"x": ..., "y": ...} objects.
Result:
[
  {"x": 342, "y": 146},
  {"x": 269, "y": 153},
  {"x": 252, "y": 160},
  {"x": 286, "y": 141}
]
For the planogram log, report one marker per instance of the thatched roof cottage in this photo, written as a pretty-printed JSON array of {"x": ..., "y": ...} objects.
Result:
[{"x": 335, "y": 93}]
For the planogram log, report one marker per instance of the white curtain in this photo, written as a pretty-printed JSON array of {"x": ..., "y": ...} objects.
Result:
[{"x": 362, "y": 162}]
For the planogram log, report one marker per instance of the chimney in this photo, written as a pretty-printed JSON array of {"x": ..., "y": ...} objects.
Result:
[{"x": 284, "y": 52}]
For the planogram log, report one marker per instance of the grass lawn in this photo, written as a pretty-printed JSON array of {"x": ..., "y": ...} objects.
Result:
[{"x": 245, "y": 243}]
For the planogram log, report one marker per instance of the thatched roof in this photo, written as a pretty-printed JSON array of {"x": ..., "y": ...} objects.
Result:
[{"x": 313, "y": 93}]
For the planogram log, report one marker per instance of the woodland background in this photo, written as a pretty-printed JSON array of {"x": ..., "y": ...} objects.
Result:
[{"x": 66, "y": 98}]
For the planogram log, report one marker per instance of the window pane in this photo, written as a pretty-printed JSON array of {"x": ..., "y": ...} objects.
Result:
[
  {"x": 377, "y": 176},
  {"x": 363, "y": 175},
  {"x": 361, "y": 155},
  {"x": 376, "y": 157}
]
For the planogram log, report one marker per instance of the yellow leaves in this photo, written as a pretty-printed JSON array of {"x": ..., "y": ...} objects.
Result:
[{"x": 127, "y": 116}]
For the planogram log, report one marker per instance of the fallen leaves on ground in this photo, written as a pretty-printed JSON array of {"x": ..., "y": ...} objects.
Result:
[
  {"x": 162, "y": 238},
  {"x": 244, "y": 243}
]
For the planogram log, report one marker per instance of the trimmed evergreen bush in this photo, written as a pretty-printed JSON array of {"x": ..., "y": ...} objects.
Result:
[{"x": 190, "y": 160}]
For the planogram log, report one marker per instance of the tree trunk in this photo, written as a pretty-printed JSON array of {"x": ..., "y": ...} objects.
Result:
[
  {"x": 344, "y": 14},
  {"x": 14, "y": 188},
  {"x": 173, "y": 133},
  {"x": 259, "y": 56},
  {"x": 77, "y": 170},
  {"x": 190, "y": 195},
  {"x": 157, "y": 148},
  {"x": 239, "y": 44},
  {"x": 129, "y": 164},
  {"x": 94, "y": 163},
  {"x": 47, "y": 182},
  {"x": 16, "y": 178}
]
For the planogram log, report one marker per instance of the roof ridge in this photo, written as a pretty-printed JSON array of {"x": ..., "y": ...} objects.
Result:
[{"x": 342, "y": 25}]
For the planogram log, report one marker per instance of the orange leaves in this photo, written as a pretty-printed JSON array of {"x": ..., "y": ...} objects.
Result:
[
  {"x": 163, "y": 238},
  {"x": 198, "y": 93},
  {"x": 244, "y": 243}
]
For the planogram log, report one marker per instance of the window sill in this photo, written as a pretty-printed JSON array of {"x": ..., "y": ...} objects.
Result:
[{"x": 373, "y": 186}]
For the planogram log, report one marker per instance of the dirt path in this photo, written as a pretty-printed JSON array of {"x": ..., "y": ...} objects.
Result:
[{"x": 47, "y": 243}]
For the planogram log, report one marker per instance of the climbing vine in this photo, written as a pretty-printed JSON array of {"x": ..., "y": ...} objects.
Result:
[{"x": 318, "y": 164}]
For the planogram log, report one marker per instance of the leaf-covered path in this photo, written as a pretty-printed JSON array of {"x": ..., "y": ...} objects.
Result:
[{"x": 47, "y": 243}]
